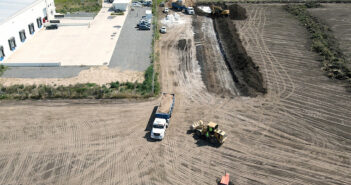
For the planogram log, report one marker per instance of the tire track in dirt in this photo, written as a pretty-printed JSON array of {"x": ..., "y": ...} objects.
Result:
[{"x": 289, "y": 136}]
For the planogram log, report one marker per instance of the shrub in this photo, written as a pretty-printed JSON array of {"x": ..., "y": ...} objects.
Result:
[{"x": 2, "y": 69}]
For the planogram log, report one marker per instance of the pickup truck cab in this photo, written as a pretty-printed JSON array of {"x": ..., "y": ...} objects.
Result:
[
  {"x": 159, "y": 128},
  {"x": 163, "y": 29},
  {"x": 190, "y": 11},
  {"x": 166, "y": 10}
]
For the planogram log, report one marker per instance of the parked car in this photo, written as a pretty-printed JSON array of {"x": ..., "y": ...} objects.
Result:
[
  {"x": 52, "y": 27},
  {"x": 137, "y": 4},
  {"x": 144, "y": 27},
  {"x": 166, "y": 10},
  {"x": 144, "y": 22},
  {"x": 163, "y": 29}
]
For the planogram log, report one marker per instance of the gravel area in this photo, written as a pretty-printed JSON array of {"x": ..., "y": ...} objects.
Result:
[{"x": 133, "y": 48}]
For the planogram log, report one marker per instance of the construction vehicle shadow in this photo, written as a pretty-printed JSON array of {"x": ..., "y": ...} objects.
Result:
[
  {"x": 148, "y": 127},
  {"x": 202, "y": 141}
]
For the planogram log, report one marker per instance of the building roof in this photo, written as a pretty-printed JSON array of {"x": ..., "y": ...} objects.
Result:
[{"x": 9, "y": 8}]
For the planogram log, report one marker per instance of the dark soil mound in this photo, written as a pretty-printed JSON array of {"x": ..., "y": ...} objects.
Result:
[
  {"x": 249, "y": 79},
  {"x": 237, "y": 12}
]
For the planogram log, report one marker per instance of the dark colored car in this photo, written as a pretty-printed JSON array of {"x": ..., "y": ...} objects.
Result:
[
  {"x": 144, "y": 27},
  {"x": 52, "y": 27}
]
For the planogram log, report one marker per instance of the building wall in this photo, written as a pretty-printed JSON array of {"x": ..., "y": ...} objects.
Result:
[{"x": 20, "y": 21}]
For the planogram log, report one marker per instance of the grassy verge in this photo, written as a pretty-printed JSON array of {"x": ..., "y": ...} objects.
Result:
[
  {"x": 154, "y": 55},
  {"x": 64, "y": 6},
  {"x": 323, "y": 42},
  {"x": 86, "y": 91},
  {"x": 2, "y": 69}
]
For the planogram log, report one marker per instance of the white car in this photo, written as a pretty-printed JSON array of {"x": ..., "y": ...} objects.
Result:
[
  {"x": 137, "y": 4},
  {"x": 163, "y": 29},
  {"x": 166, "y": 10},
  {"x": 159, "y": 128}
]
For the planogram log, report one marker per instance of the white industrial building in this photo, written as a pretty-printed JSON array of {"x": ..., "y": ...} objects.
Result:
[{"x": 20, "y": 20}]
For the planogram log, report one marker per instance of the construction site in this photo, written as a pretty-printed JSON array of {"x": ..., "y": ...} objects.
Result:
[{"x": 245, "y": 69}]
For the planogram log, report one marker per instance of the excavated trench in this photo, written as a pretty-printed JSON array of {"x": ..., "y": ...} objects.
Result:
[{"x": 244, "y": 72}]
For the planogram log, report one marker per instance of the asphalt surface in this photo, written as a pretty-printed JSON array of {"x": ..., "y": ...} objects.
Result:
[
  {"x": 132, "y": 52},
  {"x": 43, "y": 72},
  {"x": 133, "y": 48}
]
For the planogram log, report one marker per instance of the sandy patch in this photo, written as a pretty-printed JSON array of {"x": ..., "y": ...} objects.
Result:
[{"x": 99, "y": 75}]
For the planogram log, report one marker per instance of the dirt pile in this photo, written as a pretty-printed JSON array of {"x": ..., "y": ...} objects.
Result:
[
  {"x": 237, "y": 12},
  {"x": 249, "y": 79},
  {"x": 167, "y": 100}
]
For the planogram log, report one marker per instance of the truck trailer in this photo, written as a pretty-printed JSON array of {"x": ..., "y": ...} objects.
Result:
[{"x": 162, "y": 116}]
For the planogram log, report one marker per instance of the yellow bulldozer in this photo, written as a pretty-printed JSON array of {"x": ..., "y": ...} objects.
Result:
[
  {"x": 218, "y": 11},
  {"x": 209, "y": 131}
]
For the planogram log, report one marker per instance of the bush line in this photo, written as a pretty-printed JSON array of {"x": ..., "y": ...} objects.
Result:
[
  {"x": 111, "y": 90},
  {"x": 323, "y": 42},
  {"x": 64, "y": 6}
]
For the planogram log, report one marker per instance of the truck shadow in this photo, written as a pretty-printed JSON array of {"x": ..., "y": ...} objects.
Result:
[{"x": 148, "y": 127}]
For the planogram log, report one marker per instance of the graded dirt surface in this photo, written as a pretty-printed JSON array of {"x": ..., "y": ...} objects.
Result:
[
  {"x": 215, "y": 72},
  {"x": 298, "y": 133},
  {"x": 338, "y": 18}
]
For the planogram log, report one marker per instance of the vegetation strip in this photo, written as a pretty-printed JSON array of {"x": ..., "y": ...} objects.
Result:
[
  {"x": 64, "y": 6},
  {"x": 87, "y": 90},
  {"x": 323, "y": 42}
]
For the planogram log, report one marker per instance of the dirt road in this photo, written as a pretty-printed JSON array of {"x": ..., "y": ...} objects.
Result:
[{"x": 298, "y": 133}]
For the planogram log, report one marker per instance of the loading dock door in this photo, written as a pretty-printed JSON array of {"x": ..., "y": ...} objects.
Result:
[
  {"x": 2, "y": 54},
  {"x": 22, "y": 35},
  {"x": 31, "y": 28},
  {"x": 39, "y": 23},
  {"x": 12, "y": 43}
]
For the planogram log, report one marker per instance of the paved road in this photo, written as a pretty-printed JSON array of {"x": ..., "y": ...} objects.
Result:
[
  {"x": 133, "y": 47},
  {"x": 43, "y": 72}
]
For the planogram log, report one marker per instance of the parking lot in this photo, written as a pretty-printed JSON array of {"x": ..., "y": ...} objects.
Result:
[{"x": 133, "y": 48}]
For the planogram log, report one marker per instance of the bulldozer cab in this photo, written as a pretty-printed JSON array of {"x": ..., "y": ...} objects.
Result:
[
  {"x": 218, "y": 11},
  {"x": 211, "y": 127}
]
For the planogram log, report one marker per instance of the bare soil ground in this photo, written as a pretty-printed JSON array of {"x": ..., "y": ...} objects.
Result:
[
  {"x": 215, "y": 73},
  {"x": 298, "y": 133},
  {"x": 99, "y": 75},
  {"x": 338, "y": 17}
]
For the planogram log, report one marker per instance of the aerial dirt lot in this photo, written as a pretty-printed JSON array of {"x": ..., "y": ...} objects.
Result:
[{"x": 297, "y": 133}]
